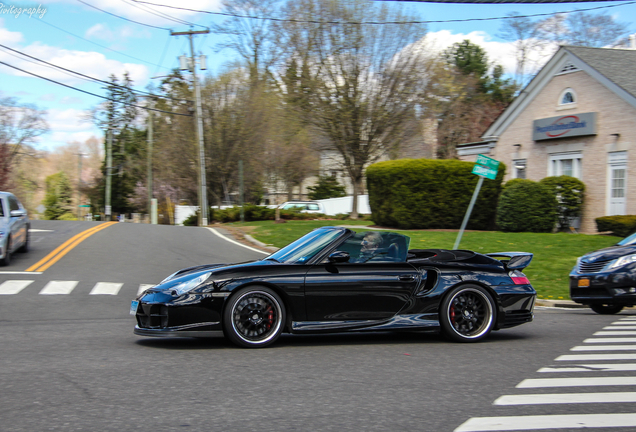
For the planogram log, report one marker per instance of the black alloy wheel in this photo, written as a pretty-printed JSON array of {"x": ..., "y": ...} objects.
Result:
[
  {"x": 254, "y": 317},
  {"x": 606, "y": 309},
  {"x": 7, "y": 254},
  {"x": 467, "y": 314}
]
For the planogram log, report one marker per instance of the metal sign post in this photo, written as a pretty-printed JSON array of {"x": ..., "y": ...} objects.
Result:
[{"x": 484, "y": 168}]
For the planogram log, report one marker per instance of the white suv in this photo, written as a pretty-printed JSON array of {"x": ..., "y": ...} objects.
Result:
[{"x": 14, "y": 227}]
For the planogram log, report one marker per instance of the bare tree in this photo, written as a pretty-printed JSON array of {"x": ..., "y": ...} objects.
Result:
[
  {"x": 20, "y": 125},
  {"x": 362, "y": 81},
  {"x": 583, "y": 29}
]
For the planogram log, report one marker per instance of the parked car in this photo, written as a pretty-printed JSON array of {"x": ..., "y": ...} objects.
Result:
[
  {"x": 336, "y": 280},
  {"x": 14, "y": 227},
  {"x": 303, "y": 206},
  {"x": 605, "y": 279}
]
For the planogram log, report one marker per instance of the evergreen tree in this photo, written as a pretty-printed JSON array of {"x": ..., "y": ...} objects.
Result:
[{"x": 58, "y": 196}]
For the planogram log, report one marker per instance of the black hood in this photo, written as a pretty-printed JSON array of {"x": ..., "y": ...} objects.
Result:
[{"x": 609, "y": 253}]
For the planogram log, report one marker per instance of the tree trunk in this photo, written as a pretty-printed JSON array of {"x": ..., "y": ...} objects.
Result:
[{"x": 357, "y": 188}]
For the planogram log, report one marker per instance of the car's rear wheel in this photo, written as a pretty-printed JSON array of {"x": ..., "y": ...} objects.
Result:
[
  {"x": 7, "y": 254},
  {"x": 606, "y": 309},
  {"x": 467, "y": 314},
  {"x": 254, "y": 317}
]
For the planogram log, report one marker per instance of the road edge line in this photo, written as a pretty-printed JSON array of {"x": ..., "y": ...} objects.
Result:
[{"x": 235, "y": 242}]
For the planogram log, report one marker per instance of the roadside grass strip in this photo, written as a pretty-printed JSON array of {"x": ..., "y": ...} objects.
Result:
[
  {"x": 567, "y": 398},
  {"x": 65, "y": 248},
  {"x": 11, "y": 287},
  {"x": 566, "y": 421}
]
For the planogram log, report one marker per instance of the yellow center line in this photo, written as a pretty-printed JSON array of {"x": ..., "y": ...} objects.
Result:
[{"x": 65, "y": 248}]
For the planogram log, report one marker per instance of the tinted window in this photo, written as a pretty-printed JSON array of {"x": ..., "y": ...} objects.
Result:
[
  {"x": 313, "y": 207},
  {"x": 628, "y": 240},
  {"x": 1, "y": 207},
  {"x": 13, "y": 203}
]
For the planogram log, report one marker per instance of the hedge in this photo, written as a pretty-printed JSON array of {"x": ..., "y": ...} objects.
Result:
[
  {"x": 621, "y": 226},
  {"x": 526, "y": 206},
  {"x": 570, "y": 193},
  {"x": 430, "y": 194}
]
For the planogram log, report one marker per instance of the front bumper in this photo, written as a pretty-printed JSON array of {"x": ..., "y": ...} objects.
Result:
[
  {"x": 186, "y": 331},
  {"x": 611, "y": 287}
]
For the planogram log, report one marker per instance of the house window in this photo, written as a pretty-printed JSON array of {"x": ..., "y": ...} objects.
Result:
[
  {"x": 520, "y": 168},
  {"x": 568, "y": 164},
  {"x": 567, "y": 97}
]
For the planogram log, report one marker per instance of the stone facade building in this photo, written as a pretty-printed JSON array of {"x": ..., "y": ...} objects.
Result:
[{"x": 576, "y": 117}]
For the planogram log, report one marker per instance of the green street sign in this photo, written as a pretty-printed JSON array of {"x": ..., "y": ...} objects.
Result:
[
  {"x": 84, "y": 205},
  {"x": 488, "y": 162},
  {"x": 483, "y": 171}
]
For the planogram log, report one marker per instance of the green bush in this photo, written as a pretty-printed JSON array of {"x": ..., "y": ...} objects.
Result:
[
  {"x": 570, "y": 193},
  {"x": 621, "y": 226},
  {"x": 433, "y": 194},
  {"x": 67, "y": 217},
  {"x": 192, "y": 220},
  {"x": 526, "y": 206}
]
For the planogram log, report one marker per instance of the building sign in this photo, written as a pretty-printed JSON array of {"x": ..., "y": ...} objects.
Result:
[{"x": 564, "y": 126}]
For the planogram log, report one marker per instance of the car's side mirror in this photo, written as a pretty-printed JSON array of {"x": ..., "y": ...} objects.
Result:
[
  {"x": 339, "y": 257},
  {"x": 17, "y": 213}
]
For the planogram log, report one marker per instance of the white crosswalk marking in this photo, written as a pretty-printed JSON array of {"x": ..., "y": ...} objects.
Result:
[
  {"x": 612, "y": 367},
  {"x": 106, "y": 288},
  {"x": 59, "y": 287},
  {"x": 610, "y": 340},
  {"x": 13, "y": 286},
  {"x": 567, "y": 421},
  {"x": 576, "y": 382},
  {"x": 586, "y": 357},
  {"x": 604, "y": 348},
  {"x": 615, "y": 333},
  {"x": 622, "y": 323},
  {"x": 621, "y": 327},
  {"x": 566, "y": 398},
  {"x": 144, "y": 287}
]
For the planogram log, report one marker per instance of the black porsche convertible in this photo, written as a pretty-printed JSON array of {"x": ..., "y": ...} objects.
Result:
[{"x": 336, "y": 280}]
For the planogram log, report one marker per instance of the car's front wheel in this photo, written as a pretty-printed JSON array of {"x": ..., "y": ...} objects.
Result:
[
  {"x": 7, "y": 254},
  {"x": 467, "y": 313},
  {"x": 254, "y": 317},
  {"x": 606, "y": 309}
]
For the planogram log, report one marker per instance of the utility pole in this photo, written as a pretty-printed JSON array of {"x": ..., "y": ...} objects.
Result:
[
  {"x": 79, "y": 185},
  {"x": 109, "y": 169},
  {"x": 149, "y": 174},
  {"x": 203, "y": 201}
]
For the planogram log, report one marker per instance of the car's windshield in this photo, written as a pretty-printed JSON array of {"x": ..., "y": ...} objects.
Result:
[
  {"x": 306, "y": 247},
  {"x": 629, "y": 240}
]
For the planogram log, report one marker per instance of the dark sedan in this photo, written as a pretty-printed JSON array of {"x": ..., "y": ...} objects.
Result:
[
  {"x": 335, "y": 280},
  {"x": 606, "y": 279}
]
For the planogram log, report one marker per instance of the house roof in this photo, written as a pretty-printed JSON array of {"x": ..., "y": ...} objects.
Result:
[
  {"x": 614, "y": 68},
  {"x": 617, "y": 65}
]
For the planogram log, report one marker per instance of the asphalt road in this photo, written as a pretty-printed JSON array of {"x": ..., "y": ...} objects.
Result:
[{"x": 70, "y": 362}]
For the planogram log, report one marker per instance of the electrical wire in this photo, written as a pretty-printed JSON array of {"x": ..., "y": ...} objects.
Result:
[
  {"x": 92, "y": 94},
  {"x": 90, "y": 77},
  {"x": 161, "y": 14},
  {"x": 99, "y": 45},
  {"x": 384, "y": 22},
  {"x": 121, "y": 17}
]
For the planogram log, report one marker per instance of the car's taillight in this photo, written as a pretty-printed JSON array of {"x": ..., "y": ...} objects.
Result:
[{"x": 519, "y": 278}]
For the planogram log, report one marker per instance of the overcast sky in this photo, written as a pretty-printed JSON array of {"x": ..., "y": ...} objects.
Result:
[{"x": 71, "y": 34}]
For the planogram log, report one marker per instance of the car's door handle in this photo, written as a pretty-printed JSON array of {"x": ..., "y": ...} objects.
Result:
[{"x": 407, "y": 277}]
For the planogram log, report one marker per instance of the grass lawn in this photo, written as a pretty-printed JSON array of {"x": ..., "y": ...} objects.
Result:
[{"x": 554, "y": 254}]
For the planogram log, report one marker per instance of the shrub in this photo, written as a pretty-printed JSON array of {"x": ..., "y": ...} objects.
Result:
[
  {"x": 619, "y": 225},
  {"x": 424, "y": 193},
  {"x": 569, "y": 192},
  {"x": 67, "y": 217},
  {"x": 327, "y": 187},
  {"x": 192, "y": 220},
  {"x": 526, "y": 206}
]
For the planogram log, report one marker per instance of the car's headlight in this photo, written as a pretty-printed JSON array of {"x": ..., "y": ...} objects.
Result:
[
  {"x": 169, "y": 277},
  {"x": 184, "y": 287},
  {"x": 627, "y": 259}
]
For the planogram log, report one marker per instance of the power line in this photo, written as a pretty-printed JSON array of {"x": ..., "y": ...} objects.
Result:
[
  {"x": 99, "y": 45},
  {"x": 121, "y": 17},
  {"x": 92, "y": 78},
  {"x": 92, "y": 94},
  {"x": 161, "y": 14},
  {"x": 384, "y": 22}
]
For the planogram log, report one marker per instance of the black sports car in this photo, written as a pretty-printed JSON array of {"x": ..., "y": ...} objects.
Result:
[
  {"x": 606, "y": 279},
  {"x": 336, "y": 280}
]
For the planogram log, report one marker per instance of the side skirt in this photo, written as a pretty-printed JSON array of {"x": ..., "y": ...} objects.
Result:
[{"x": 398, "y": 322}]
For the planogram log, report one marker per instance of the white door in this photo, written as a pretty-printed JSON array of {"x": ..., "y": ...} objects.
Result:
[{"x": 618, "y": 183}]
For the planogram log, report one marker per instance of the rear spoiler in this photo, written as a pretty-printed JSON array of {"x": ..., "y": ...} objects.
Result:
[{"x": 516, "y": 260}]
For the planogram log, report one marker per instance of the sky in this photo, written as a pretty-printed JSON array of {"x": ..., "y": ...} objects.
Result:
[{"x": 74, "y": 35}]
